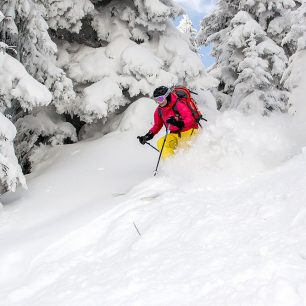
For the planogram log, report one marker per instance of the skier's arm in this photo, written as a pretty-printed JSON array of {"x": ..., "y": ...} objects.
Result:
[{"x": 158, "y": 123}]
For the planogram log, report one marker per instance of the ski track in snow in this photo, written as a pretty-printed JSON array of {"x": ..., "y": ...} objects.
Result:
[{"x": 231, "y": 245}]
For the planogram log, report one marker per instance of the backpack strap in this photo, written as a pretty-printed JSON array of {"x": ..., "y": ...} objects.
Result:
[
  {"x": 193, "y": 112},
  {"x": 177, "y": 113},
  {"x": 174, "y": 107},
  {"x": 160, "y": 113}
]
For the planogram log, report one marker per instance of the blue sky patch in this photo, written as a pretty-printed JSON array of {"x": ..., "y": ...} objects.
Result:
[{"x": 197, "y": 10}]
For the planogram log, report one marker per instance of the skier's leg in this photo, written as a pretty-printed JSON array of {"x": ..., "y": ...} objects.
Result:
[
  {"x": 170, "y": 145},
  {"x": 184, "y": 140}
]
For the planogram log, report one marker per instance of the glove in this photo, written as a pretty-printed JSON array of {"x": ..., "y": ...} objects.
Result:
[
  {"x": 178, "y": 123},
  {"x": 145, "y": 138}
]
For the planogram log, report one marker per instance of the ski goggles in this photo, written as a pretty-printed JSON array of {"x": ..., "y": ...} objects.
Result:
[{"x": 162, "y": 98}]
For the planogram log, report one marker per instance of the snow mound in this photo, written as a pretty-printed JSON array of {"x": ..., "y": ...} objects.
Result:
[
  {"x": 138, "y": 116},
  {"x": 183, "y": 234}
]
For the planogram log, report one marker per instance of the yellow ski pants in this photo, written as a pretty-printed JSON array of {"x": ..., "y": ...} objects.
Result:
[{"x": 175, "y": 140}]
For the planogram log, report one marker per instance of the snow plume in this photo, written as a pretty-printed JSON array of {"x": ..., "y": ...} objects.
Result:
[{"x": 234, "y": 148}]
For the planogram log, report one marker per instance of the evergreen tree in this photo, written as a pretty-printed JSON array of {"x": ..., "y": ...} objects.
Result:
[
  {"x": 26, "y": 28},
  {"x": 267, "y": 11},
  {"x": 10, "y": 172},
  {"x": 66, "y": 14},
  {"x": 296, "y": 36},
  {"x": 17, "y": 87},
  {"x": 253, "y": 88},
  {"x": 138, "y": 49},
  {"x": 187, "y": 28},
  {"x": 294, "y": 77},
  {"x": 228, "y": 29},
  {"x": 95, "y": 57}
]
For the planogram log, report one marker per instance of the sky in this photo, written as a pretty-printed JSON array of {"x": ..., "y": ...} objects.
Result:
[{"x": 197, "y": 9}]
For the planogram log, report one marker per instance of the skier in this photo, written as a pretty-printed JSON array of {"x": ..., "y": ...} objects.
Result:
[{"x": 176, "y": 116}]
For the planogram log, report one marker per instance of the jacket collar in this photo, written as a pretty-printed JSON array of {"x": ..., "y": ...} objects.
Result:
[{"x": 172, "y": 101}]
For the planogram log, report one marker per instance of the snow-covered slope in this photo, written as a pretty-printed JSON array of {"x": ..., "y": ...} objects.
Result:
[{"x": 222, "y": 224}]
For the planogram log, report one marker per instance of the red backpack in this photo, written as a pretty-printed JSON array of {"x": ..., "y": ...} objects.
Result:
[{"x": 184, "y": 95}]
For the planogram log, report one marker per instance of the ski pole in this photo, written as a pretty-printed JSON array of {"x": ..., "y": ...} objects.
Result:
[
  {"x": 152, "y": 146},
  {"x": 161, "y": 151},
  {"x": 149, "y": 144}
]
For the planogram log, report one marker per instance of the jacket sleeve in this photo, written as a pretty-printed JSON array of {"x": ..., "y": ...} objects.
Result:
[
  {"x": 185, "y": 113},
  {"x": 158, "y": 123}
]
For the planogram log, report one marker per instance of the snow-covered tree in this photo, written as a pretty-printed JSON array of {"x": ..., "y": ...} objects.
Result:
[
  {"x": 294, "y": 77},
  {"x": 40, "y": 128},
  {"x": 66, "y": 14},
  {"x": 95, "y": 57},
  {"x": 296, "y": 36},
  {"x": 19, "y": 88},
  {"x": 125, "y": 49},
  {"x": 273, "y": 16},
  {"x": 139, "y": 50},
  {"x": 259, "y": 69},
  {"x": 239, "y": 32},
  {"x": 253, "y": 88},
  {"x": 266, "y": 11},
  {"x": 185, "y": 26},
  {"x": 10, "y": 171},
  {"x": 27, "y": 29}
]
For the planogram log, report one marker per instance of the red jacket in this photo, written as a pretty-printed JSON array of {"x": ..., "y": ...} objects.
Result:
[{"x": 167, "y": 111}]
